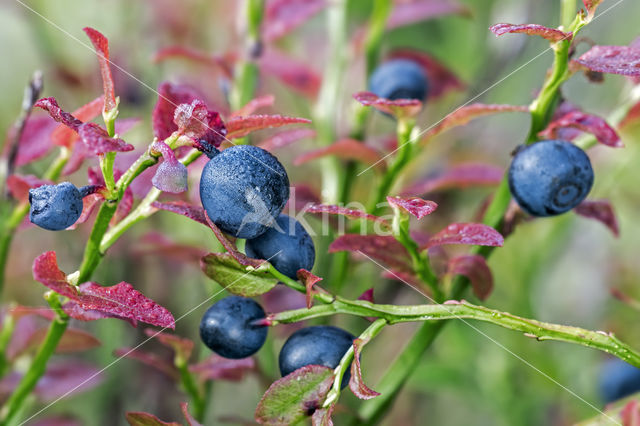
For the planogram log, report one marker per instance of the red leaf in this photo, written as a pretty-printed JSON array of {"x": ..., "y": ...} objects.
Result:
[
  {"x": 195, "y": 55},
  {"x": 283, "y": 16},
  {"x": 347, "y": 149},
  {"x": 197, "y": 122},
  {"x": 230, "y": 247},
  {"x": 51, "y": 106},
  {"x": 291, "y": 72},
  {"x": 301, "y": 196},
  {"x": 217, "y": 368},
  {"x": 413, "y": 205},
  {"x": 137, "y": 418},
  {"x": 466, "y": 233},
  {"x": 589, "y": 123},
  {"x": 180, "y": 345},
  {"x": 475, "y": 268},
  {"x": 367, "y": 295},
  {"x": 309, "y": 280},
  {"x": 630, "y": 413},
  {"x": 399, "y": 108},
  {"x": 551, "y": 34},
  {"x": 458, "y": 176},
  {"x": 600, "y": 210},
  {"x": 75, "y": 311},
  {"x": 150, "y": 359},
  {"x": 98, "y": 141},
  {"x": 420, "y": 10},
  {"x": 65, "y": 136},
  {"x": 322, "y": 417},
  {"x": 623, "y": 60},
  {"x": 121, "y": 300},
  {"x": 35, "y": 140},
  {"x": 242, "y": 126},
  {"x": 441, "y": 79},
  {"x": 467, "y": 113},
  {"x": 185, "y": 209},
  {"x": 170, "y": 96},
  {"x": 253, "y": 105},
  {"x": 19, "y": 186},
  {"x": 344, "y": 211},
  {"x": 73, "y": 340},
  {"x": 591, "y": 5},
  {"x": 356, "y": 383},
  {"x": 286, "y": 138},
  {"x": 385, "y": 249},
  {"x": 101, "y": 44},
  {"x": 633, "y": 116},
  {"x": 188, "y": 417}
]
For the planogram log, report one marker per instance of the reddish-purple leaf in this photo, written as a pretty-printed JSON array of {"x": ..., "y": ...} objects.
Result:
[
  {"x": 413, "y": 205},
  {"x": 406, "y": 13},
  {"x": 623, "y": 60},
  {"x": 242, "y": 126},
  {"x": 231, "y": 248},
  {"x": 26, "y": 324},
  {"x": 101, "y": 44},
  {"x": 458, "y": 176},
  {"x": 301, "y": 196},
  {"x": 66, "y": 136},
  {"x": 283, "y": 16},
  {"x": 589, "y": 123},
  {"x": 309, "y": 280},
  {"x": 51, "y": 106},
  {"x": 180, "y": 345},
  {"x": 467, "y": 113},
  {"x": 591, "y": 6},
  {"x": 217, "y": 368},
  {"x": 182, "y": 208},
  {"x": 295, "y": 396},
  {"x": 298, "y": 75},
  {"x": 188, "y": 417},
  {"x": 73, "y": 340},
  {"x": 67, "y": 376},
  {"x": 344, "y": 211},
  {"x": 399, "y": 108},
  {"x": 170, "y": 96},
  {"x": 151, "y": 359},
  {"x": 367, "y": 295},
  {"x": 551, "y": 34},
  {"x": 385, "y": 249},
  {"x": 475, "y": 268},
  {"x": 347, "y": 149},
  {"x": 45, "y": 270},
  {"x": 75, "y": 311},
  {"x": 356, "y": 383},
  {"x": 19, "y": 186},
  {"x": 35, "y": 140},
  {"x": 441, "y": 79},
  {"x": 253, "y": 105},
  {"x": 286, "y": 138},
  {"x": 633, "y": 116},
  {"x": 58, "y": 421},
  {"x": 322, "y": 417},
  {"x": 98, "y": 141},
  {"x": 466, "y": 233},
  {"x": 197, "y": 122},
  {"x": 137, "y": 418},
  {"x": 219, "y": 62},
  {"x": 600, "y": 210}
]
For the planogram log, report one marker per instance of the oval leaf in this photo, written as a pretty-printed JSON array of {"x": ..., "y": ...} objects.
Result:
[
  {"x": 413, "y": 205},
  {"x": 234, "y": 277},
  {"x": 180, "y": 345},
  {"x": 399, "y": 108},
  {"x": 475, "y": 268},
  {"x": 242, "y": 126},
  {"x": 385, "y": 249},
  {"x": 466, "y": 233},
  {"x": 182, "y": 208},
  {"x": 458, "y": 176},
  {"x": 344, "y": 211},
  {"x": 283, "y": 16},
  {"x": 295, "y": 396},
  {"x": 356, "y": 383},
  {"x": 623, "y": 60},
  {"x": 65, "y": 136},
  {"x": 101, "y": 44},
  {"x": 346, "y": 149},
  {"x": 584, "y": 122},
  {"x": 600, "y": 210},
  {"x": 286, "y": 138},
  {"x": 551, "y": 34},
  {"x": 253, "y": 105}
]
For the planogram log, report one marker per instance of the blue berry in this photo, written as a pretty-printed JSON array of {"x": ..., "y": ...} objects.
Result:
[
  {"x": 550, "y": 177},
  {"x": 244, "y": 189},
  {"x": 55, "y": 207},
  {"x": 227, "y": 327},
  {"x": 286, "y": 245},
  {"x": 618, "y": 379},
  {"x": 318, "y": 345},
  {"x": 399, "y": 79}
]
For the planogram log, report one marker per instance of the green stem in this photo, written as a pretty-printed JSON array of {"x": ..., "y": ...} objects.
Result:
[
  {"x": 190, "y": 386},
  {"x": 567, "y": 12},
  {"x": 8, "y": 325},
  {"x": 39, "y": 363}
]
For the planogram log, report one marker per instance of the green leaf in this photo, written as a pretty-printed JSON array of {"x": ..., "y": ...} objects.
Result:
[
  {"x": 236, "y": 278},
  {"x": 295, "y": 396}
]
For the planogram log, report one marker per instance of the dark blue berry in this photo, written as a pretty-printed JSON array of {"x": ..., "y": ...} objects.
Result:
[
  {"x": 318, "y": 345},
  {"x": 55, "y": 207},
  {"x": 244, "y": 189},
  {"x": 227, "y": 327},
  {"x": 286, "y": 245},
  {"x": 399, "y": 79},
  {"x": 618, "y": 379},
  {"x": 550, "y": 177}
]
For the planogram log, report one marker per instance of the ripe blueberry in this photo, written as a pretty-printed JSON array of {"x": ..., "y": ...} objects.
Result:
[
  {"x": 399, "y": 79},
  {"x": 244, "y": 189},
  {"x": 286, "y": 245},
  {"x": 318, "y": 345},
  {"x": 618, "y": 379},
  {"x": 55, "y": 207},
  {"x": 227, "y": 327},
  {"x": 550, "y": 177}
]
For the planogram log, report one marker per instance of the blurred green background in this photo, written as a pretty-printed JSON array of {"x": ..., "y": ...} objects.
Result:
[{"x": 558, "y": 269}]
